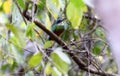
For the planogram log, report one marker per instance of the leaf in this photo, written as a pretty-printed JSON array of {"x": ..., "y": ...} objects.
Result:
[
  {"x": 7, "y": 6},
  {"x": 48, "y": 44},
  {"x": 41, "y": 4},
  {"x": 35, "y": 60},
  {"x": 30, "y": 31},
  {"x": 60, "y": 60},
  {"x": 100, "y": 33},
  {"x": 53, "y": 7},
  {"x": 47, "y": 22},
  {"x": 19, "y": 36},
  {"x": 56, "y": 72},
  {"x": 98, "y": 48},
  {"x": 79, "y": 4},
  {"x": 15, "y": 42},
  {"x": 76, "y": 7},
  {"x": 5, "y": 67},
  {"x": 1, "y": 3},
  {"x": 14, "y": 65},
  {"x": 48, "y": 69},
  {"x": 21, "y": 3},
  {"x": 51, "y": 70},
  {"x": 62, "y": 55}
]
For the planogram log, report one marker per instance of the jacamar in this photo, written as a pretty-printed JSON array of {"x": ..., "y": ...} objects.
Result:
[{"x": 58, "y": 28}]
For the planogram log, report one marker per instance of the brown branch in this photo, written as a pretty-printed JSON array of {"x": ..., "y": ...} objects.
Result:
[
  {"x": 77, "y": 60},
  {"x": 40, "y": 25},
  {"x": 55, "y": 37}
]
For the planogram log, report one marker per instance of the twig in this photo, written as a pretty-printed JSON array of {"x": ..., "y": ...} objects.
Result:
[{"x": 78, "y": 61}]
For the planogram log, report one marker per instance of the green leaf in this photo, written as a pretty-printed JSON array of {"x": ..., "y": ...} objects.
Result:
[
  {"x": 48, "y": 44},
  {"x": 78, "y": 8},
  {"x": 100, "y": 33},
  {"x": 35, "y": 60},
  {"x": 15, "y": 41},
  {"x": 21, "y": 3},
  {"x": 5, "y": 67},
  {"x": 19, "y": 37},
  {"x": 51, "y": 70},
  {"x": 79, "y": 4},
  {"x": 48, "y": 69},
  {"x": 41, "y": 4},
  {"x": 60, "y": 60},
  {"x": 30, "y": 31},
  {"x": 53, "y": 7},
  {"x": 56, "y": 72},
  {"x": 98, "y": 48},
  {"x": 62, "y": 55},
  {"x": 14, "y": 65}
]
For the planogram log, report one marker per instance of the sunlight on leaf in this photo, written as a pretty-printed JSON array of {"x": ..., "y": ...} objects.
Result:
[
  {"x": 48, "y": 69},
  {"x": 76, "y": 7},
  {"x": 48, "y": 44},
  {"x": 1, "y": 3},
  {"x": 51, "y": 70},
  {"x": 48, "y": 22},
  {"x": 7, "y": 6},
  {"x": 35, "y": 60},
  {"x": 53, "y": 8},
  {"x": 62, "y": 55},
  {"x": 61, "y": 64}
]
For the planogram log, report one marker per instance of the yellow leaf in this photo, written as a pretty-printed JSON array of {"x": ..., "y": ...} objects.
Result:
[
  {"x": 0, "y": 3},
  {"x": 7, "y": 6}
]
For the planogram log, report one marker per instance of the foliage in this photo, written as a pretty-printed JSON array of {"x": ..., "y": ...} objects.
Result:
[{"x": 26, "y": 50}]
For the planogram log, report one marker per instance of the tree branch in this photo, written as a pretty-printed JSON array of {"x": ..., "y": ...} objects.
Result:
[{"x": 77, "y": 60}]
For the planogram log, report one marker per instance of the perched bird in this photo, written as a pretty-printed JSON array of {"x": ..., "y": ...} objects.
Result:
[{"x": 58, "y": 28}]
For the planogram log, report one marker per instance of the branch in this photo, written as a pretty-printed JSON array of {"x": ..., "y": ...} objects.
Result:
[
  {"x": 77, "y": 60},
  {"x": 56, "y": 38}
]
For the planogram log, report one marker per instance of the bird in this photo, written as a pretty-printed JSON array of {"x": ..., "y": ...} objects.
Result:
[{"x": 58, "y": 28}]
